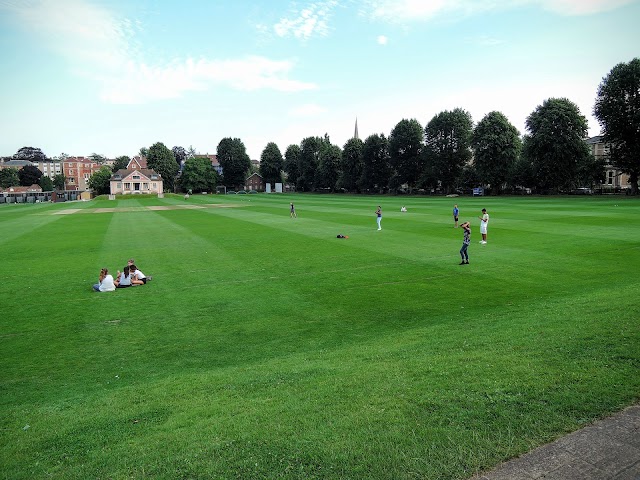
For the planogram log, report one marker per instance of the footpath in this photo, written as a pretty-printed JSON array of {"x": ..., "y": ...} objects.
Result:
[{"x": 607, "y": 450}]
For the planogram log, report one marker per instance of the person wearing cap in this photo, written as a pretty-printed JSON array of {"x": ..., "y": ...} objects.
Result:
[
  {"x": 484, "y": 222},
  {"x": 379, "y": 216}
]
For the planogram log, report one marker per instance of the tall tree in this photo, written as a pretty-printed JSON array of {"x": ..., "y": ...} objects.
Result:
[
  {"x": 120, "y": 163},
  {"x": 555, "y": 146},
  {"x": 448, "y": 145},
  {"x": 59, "y": 180},
  {"x": 144, "y": 151},
  {"x": 328, "y": 165},
  {"x": 100, "y": 181},
  {"x": 198, "y": 175},
  {"x": 9, "y": 177},
  {"x": 271, "y": 164},
  {"x": 351, "y": 164},
  {"x": 291, "y": 161},
  {"x": 618, "y": 111},
  {"x": 234, "y": 161},
  {"x": 46, "y": 183},
  {"x": 405, "y": 151},
  {"x": 31, "y": 154},
  {"x": 160, "y": 159},
  {"x": 180, "y": 154},
  {"x": 308, "y": 163},
  {"x": 29, "y": 175},
  {"x": 376, "y": 167},
  {"x": 497, "y": 145}
]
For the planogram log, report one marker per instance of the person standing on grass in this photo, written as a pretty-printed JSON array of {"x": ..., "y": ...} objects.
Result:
[
  {"x": 466, "y": 240},
  {"x": 455, "y": 215},
  {"x": 293, "y": 213},
  {"x": 105, "y": 282},
  {"x": 484, "y": 222},
  {"x": 379, "y": 216}
]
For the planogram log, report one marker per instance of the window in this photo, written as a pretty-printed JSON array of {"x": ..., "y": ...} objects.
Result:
[
  {"x": 136, "y": 177},
  {"x": 127, "y": 186},
  {"x": 119, "y": 186},
  {"x": 154, "y": 185}
]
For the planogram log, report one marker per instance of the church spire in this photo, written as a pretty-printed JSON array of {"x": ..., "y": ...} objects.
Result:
[{"x": 355, "y": 133}]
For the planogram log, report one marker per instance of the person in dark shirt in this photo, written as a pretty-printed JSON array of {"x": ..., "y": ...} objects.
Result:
[{"x": 466, "y": 228}]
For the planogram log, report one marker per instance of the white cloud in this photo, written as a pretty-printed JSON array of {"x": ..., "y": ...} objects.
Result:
[
  {"x": 382, "y": 40},
  {"x": 98, "y": 46},
  {"x": 141, "y": 83},
  {"x": 309, "y": 21},
  {"x": 401, "y": 11}
]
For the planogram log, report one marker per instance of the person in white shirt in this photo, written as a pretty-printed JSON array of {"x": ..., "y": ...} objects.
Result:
[
  {"x": 105, "y": 282},
  {"x": 484, "y": 222},
  {"x": 137, "y": 277},
  {"x": 123, "y": 279}
]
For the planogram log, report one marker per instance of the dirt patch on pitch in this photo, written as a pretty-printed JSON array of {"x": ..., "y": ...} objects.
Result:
[{"x": 144, "y": 209}]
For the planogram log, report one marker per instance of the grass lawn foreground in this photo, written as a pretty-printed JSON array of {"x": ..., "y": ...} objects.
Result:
[{"x": 265, "y": 347}]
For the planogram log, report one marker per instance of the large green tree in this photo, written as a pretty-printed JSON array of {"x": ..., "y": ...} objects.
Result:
[
  {"x": 234, "y": 161},
  {"x": 29, "y": 175},
  {"x": 9, "y": 177},
  {"x": 59, "y": 180},
  {"x": 617, "y": 109},
  {"x": 291, "y": 162},
  {"x": 448, "y": 145},
  {"x": 198, "y": 175},
  {"x": 328, "y": 165},
  {"x": 100, "y": 181},
  {"x": 271, "y": 164},
  {"x": 555, "y": 145},
  {"x": 46, "y": 183},
  {"x": 376, "y": 167},
  {"x": 120, "y": 162},
  {"x": 161, "y": 159},
  {"x": 405, "y": 151},
  {"x": 496, "y": 144},
  {"x": 351, "y": 164},
  {"x": 308, "y": 163}
]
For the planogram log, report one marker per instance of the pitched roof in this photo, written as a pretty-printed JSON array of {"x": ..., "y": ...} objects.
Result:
[{"x": 123, "y": 173}]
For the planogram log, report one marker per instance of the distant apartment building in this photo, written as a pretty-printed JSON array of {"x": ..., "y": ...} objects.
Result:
[
  {"x": 50, "y": 168},
  {"x": 77, "y": 171}
]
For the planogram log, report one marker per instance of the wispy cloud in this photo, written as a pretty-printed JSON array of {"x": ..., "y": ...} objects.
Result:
[
  {"x": 304, "y": 23},
  {"x": 382, "y": 40},
  {"x": 140, "y": 83},
  {"x": 100, "y": 46},
  {"x": 403, "y": 11}
]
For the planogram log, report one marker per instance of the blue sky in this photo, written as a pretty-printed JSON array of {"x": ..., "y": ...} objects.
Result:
[{"x": 111, "y": 76}]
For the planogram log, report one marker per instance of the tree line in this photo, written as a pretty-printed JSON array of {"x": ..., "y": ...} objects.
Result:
[{"x": 448, "y": 154}]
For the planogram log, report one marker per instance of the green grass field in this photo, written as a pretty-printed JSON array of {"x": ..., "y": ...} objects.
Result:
[{"x": 265, "y": 347}]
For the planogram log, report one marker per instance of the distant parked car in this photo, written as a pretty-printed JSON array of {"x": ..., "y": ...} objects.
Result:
[
  {"x": 582, "y": 191},
  {"x": 241, "y": 192},
  {"x": 231, "y": 192},
  {"x": 253, "y": 191}
]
